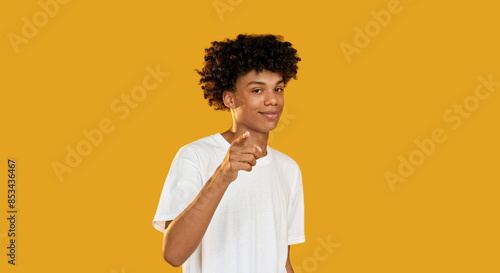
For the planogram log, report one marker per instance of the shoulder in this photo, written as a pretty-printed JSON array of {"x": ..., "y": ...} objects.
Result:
[
  {"x": 198, "y": 148},
  {"x": 288, "y": 168},
  {"x": 284, "y": 160}
]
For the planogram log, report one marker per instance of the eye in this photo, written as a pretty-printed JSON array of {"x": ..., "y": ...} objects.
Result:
[
  {"x": 278, "y": 89},
  {"x": 257, "y": 90}
]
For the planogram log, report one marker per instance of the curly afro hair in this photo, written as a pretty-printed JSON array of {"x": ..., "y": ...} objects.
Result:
[{"x": 228, "y": 60}]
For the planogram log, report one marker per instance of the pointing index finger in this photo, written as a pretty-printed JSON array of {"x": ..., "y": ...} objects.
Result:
[{"x": 241, "y": 139}]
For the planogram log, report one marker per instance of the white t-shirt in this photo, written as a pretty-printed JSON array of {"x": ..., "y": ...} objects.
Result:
[{"x": 260, "y": 214}]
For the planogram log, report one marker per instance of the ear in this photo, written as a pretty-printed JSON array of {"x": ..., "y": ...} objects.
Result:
[{"x": 228, "y": 99}]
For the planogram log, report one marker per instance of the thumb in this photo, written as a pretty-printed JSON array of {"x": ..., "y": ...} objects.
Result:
[
  {"x": 242, "y": 139},
  {"x": 260, "y": 150}
]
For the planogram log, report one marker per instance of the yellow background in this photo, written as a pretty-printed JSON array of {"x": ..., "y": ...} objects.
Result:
[{"x": 346, "y": 125}]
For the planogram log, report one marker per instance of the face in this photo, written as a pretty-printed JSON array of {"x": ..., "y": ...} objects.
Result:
[{"x": 258, "y": 101}]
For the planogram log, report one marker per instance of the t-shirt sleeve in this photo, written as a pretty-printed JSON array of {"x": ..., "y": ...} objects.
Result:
[
  {"x": 296, "y": 212},
  {"x": 183, "y": 183}
]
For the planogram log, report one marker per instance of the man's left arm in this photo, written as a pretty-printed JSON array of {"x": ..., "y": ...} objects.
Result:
[
  {"x": 289, "y": 268},
  {"x": 295, "y": 217}
]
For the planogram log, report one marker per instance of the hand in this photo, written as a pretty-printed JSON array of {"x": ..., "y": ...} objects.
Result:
[{"x": 240, "y": 156}]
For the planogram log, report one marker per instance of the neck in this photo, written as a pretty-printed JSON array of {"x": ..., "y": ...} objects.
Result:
[{"x": 258, "y": 138}]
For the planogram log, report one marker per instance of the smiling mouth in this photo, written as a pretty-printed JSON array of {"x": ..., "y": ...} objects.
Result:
[{"x": 271, "y": 115}]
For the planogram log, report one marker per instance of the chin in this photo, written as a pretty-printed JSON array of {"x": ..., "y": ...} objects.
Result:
[
  {"x": 269, "y": 129},
  {"x": 265, "y": 127}
]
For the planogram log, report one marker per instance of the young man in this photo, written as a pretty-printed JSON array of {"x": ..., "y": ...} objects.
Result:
[{"x": 214, "y": 217}]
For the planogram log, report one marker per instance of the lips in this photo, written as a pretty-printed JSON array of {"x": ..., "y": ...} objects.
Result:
[{"x": 271, "y": 114}]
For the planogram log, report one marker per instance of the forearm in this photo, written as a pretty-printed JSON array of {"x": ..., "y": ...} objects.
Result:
[
  {"x": 184, "y": 234},
  {"x": 289, "y": 268}
]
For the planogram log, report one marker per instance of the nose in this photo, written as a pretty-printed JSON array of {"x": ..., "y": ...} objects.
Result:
[{"x": 271, "y": 98}]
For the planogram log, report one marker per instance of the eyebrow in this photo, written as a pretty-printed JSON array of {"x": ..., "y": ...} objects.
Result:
[{"x": 263, "y": 83}]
